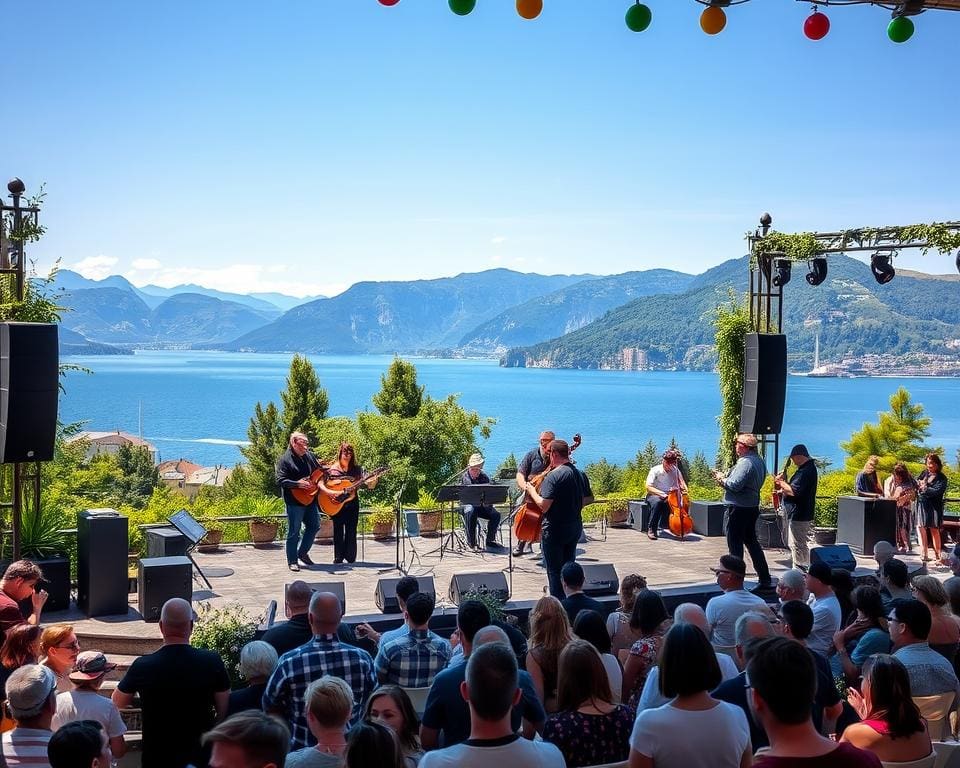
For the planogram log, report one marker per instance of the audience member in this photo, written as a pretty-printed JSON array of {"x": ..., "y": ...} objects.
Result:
[
  {"x": 944, "y": 635},
  {"x": 662, "y": 737},
  {"x": 492, "y": 691},
  {"x": 18, "y": 583},
  {"x": 650, "y": 617},
  {"x": 589, "y": 728},
  {"x": 391, "y": 705},
  {"x": 58, "y": 649},
  {"x": 328, "y": 703},
  {"x": 371, "y": 744},
  {"x": 865, "y": 636},
  {"x": 622, "y": 635},
  {"x": 80, "y": 744},
  {"x": 792, "y": 586},
  {"x": 867, "y": 483},
  {"x": 891, "y": 726},
  {"x": 883, "y": 551},
  {"x": 549, "y": 633},
  {"x": 724, "y": 610},
  {"x": 893, "y": 579},
  {"x": 86, "y": 703},
  {"x": 258, "y": 659},
  {"x": 782, "y": 681},
  {"x": 406, "y": 587},
  {"x": 931, "y": 488},
  {"x": 930, "y": 673},
  {"x": 324, "y": 655},
  {"x": 295, "y": 631},
  {"x": 826, "y": 608},
  {"x": 21, "y": 646},
  {"x": 572, "y": 578},
  {"x": 589, "y": 626},
  {"x": 842, "y": 584},
  {"x": 249, "y": 739},
  {"x": 952, "y": 587},
  {"x": 414, "y": 659},
  {"x": 902, "y": 488},
  {"x": 180, "y": 688},
  {"x": 32, "y": 701}
]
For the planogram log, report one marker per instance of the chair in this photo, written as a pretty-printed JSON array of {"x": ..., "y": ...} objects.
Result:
[
  {"x": 924, "y": 762},
  {"x": 948, "y": 754},
  {"x": 418, "y": 697},
  {"x": 934, "y": 710}
]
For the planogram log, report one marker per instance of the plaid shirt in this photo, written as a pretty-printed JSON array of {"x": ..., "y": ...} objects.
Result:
[
  {"x": 412, "y": 661},
  {"x": 323, "y": 655}
]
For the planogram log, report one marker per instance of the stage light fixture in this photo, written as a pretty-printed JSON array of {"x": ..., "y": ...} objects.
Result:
[
  {"x": 882, "y": 267},
  {"x": 781, "y": 268},
  {"x": 818, "y": 271}
]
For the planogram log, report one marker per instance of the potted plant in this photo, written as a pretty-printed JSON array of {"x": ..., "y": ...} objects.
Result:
[
  {"x": 213, "y": 538},
  {"x": 264, "y": 525},
  {"x": 429, "y": 515},
  {"x": 381, "y": 520},
  {"x": 225, "y": 631},
  {"x": 825, "y": 522},
  {"x": 325, "y": 534},
  {"x": 43, "y": 541},
  {"x": 618, "y": 511}
]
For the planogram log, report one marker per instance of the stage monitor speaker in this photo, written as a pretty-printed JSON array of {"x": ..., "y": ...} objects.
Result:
[
  {"x": 492, "y": 582},
  {"x": 102, "y": 547},
  {"x": 600, "y": 579},
  {"x": 159, "y": 579},
  {"x": 166, "y": 542},
  {"x": 764, "y": 383},
  {"x": 29, "y": 390},
  {"x": 386, "y": 593},
  {"x": 836, "y": 556},
  {"x": 335, "y": 587}
]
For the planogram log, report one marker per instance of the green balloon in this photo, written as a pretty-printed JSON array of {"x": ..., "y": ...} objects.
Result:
[
  {"x": 638, "y": 17},
  {"x": 462, "y": 7},
  {"x": 900, "y": 29}
]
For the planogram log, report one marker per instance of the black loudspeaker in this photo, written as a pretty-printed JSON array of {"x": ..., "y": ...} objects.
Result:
[
  {"x": 386, "y": 594},
  {"x": 600, "y": 579},
  {"x": 29, "y": 360},
  {"x": 862, "y": 522},
  {"x": 836, "y": 556},
  {"x": 160, "y": 579},
  {"x": 493, "y": 582},
  {"x": 166, "y": 542},
  {"x": 335, "y": 587},
  {"x": 102, "y": 547},
  {"x": 707, "y": 517},
  {"x": 764, "y": 383},
  {"x": 639, "y": 515}
]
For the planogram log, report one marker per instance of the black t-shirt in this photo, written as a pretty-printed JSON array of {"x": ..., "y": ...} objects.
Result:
[
  {"x": 291, "y": 468},
  {"x": 176, "y": 686},
  {"x": 564, "y": 485},
  {"x": 532, "y": 464},
  {"x": 802, "y": 504},
  {"x": 581, "y": 602}
]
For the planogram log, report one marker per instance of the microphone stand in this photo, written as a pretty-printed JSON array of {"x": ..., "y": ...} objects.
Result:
[{"x": 400, "y": 565}]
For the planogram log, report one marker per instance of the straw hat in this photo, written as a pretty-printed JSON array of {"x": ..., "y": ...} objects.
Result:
[{"x": 476, "y": 460}]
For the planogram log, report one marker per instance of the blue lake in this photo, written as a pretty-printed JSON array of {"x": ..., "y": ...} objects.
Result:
[{"x": 197, "y": 405}]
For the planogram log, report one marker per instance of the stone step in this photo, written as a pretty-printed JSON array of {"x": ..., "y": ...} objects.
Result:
[{"x": 115, "y": 645}]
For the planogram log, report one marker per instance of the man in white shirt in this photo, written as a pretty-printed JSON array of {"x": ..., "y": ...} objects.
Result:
[
  {"x": 826, "y": 608},
  {"x": 792, "y": 585},
  {"x": 724, "y": 610},
  {"x": 662, "y": 479}
]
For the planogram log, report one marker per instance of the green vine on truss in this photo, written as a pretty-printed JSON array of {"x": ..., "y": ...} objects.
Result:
[
  {"x": 800, "y": 246},
  {"x": 732, "y": 323}
]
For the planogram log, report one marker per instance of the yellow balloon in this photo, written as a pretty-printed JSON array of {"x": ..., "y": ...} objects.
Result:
[
  {"x": 713, "y": 20},
  {"x": 529, "y": 9}
]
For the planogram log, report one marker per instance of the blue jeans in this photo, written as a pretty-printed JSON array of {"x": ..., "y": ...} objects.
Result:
[
  {"x": 557, "y": 551},
  {"x": 297, "y": 516}
]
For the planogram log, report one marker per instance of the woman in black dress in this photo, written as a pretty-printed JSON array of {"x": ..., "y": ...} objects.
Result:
[
  {"x": 931, "y": 487},
  {"x": 345, "y": 467}
]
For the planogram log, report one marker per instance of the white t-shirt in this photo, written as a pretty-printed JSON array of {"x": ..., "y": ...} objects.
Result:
[
  {"x": 663, "y": 480},
  {"x": 680, "y": 738},
  {"x": 826, "y": 621},
  {"x": 509, "y": 752},
  {"x": 614, "y": 675},
  {"x": 650, "y": 696},
  {"x": 88, "y": 705},
  {"x": 724, "y": 610}
]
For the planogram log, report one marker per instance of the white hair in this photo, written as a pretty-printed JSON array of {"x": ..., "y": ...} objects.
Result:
[
  {"x": 691, "y": 613},
  {"x": 257, "y": 659},
  {"x": 794, "y": 580},
  {"x": 490, "y": 634},
  {"x": 743, "y": 630}
]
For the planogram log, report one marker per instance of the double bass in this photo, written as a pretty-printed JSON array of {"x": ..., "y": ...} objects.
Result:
[
  {"x": 679, "y": 501},
  {"x": 529, "y": 517}
]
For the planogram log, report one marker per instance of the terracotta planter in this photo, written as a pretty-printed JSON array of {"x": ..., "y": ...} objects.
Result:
[
  {"x": 619, "y": 515},
  {"x": 825, "y": 537},
  {"x": 325, "y": 534},
  {"x": 211, "y": 541},
  {"x": 382, "y": 531},
  {"x": 429, "y": 523},
  {"x": 263, "y": 532}
]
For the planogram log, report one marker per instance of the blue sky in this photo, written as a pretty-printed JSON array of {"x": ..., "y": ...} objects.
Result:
[{"x": 305, "y": 145}]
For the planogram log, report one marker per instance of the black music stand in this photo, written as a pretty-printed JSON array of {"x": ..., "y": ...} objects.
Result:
[
  {"x": 482, "y": 495},
  {"x": 193, "y": 531},
  {"x": 451, "y": 540}
]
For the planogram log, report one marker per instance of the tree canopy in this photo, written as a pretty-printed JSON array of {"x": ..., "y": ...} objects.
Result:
[{"x": 898, "y": 435}]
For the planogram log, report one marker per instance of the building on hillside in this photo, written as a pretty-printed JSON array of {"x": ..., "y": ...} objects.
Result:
[
  {"x": 188, "y": 478},
  {"x": 173, "y": 474},
  {"x": 110, "y": 442}
]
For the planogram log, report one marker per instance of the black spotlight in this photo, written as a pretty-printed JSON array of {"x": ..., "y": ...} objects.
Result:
[
  {"x": 781, "y": 272},
  {"x": 883, "y": 271},
  {"x": 818, "y": 271}
]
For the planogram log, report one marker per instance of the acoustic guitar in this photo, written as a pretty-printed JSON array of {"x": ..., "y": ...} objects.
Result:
[{"x": 347, "y": 490}]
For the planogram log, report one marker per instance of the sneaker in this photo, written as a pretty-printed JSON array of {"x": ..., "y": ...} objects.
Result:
[
  {"x": 293, "y": 567},
  {"x": 305, "y": 559},
  {"x": 518, "y": 552}
]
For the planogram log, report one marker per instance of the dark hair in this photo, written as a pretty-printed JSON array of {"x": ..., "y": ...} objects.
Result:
[
  {"x": 734, "y": 564},
  {"x": 560, "y": 447},
  {"x": 15, "y": 651},
  {"x": 352, "y": 464},
  {"x": 410, "y": 736},
  {"x": 952, "y": 585},
  {"x": 263, "y": 737},
  {"x": 868, "y": 601},
  {"x": 901, "y": 473},
  {"x": 419, "y": 607},
  {"x": 406, "y": 587},
  {"x": 915, "y": 615},
  {"x": 472, "y": 616},
  {"x": 842, "y": 583},
  {"x": 649, "y": 612},
  {"x": 492, "y": 680},
  {"x": 630, "y": 585},
  {"x": 372, "y": 745},
  {"x": 783, "y": 674},
  {"x": 935, "y": 458},
  {"x": 890, "y": 698},
  {"x": 590, "y": 626},
  {"x": 688, "y": 663},
  {"x": 581, "y": 676},
  {"x": 896, "y": 571},
  {"x": 75, "y": 744},
  {"x": 23, "y": 569},
  {"x": 797, "y": 615},
  {"x": 572, "y": 574}
]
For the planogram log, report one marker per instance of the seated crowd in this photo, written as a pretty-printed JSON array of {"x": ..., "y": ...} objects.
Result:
[{"x": 741, "y": 682}]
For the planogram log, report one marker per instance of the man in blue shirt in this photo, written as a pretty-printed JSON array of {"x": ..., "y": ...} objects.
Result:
[{"x": 413, "y": 660}]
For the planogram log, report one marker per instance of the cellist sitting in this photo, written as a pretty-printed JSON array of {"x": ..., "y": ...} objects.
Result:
[{"x": 662, "y": 479}]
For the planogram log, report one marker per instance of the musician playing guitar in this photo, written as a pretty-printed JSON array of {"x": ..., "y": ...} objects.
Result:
[
  {"x": 344, "y": 468},
  {"x": 532, "y": 464},
  {"x": 293, "y": 471},
  {"x": 799, "y": 500},
  {"x": 662, "y": 479}
]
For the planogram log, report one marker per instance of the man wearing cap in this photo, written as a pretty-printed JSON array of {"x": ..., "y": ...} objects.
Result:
[
  {"x": 86, "y": 703},
  {"x": 476, "y": 476},
  {"x": 32, "y": 700},
  {"x": 799, "y": 504},
  {"x": 723, "y": 611},
  {"x": 826, "y": 608},
  {"x": 741, "y": 495}
]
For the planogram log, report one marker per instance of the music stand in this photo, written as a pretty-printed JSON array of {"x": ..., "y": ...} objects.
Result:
[
  {"x": 452, "y": 540},
  {"x": 193, "y": 531}
]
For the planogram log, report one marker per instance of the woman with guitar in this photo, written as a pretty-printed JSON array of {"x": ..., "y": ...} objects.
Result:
[
  {"x": 342, "y": 477},
  {"x": 662, "y": 480}
]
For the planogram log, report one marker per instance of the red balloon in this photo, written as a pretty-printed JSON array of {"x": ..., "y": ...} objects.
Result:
[
  {"x": 389, "y": 2},
  {"x": 816, "y": 26}
]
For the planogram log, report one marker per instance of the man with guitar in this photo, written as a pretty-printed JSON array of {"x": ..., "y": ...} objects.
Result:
[
  {"x": 661, "y": 480},
  {"x": 799, "y": 500},
  {"x": 345, "y": 475},
  {"x": 532, "y": 464},
  {"x": 294, "y": 471}
]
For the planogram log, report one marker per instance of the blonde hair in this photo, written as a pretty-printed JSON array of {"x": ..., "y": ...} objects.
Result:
[
  {"x": 932, "y": 590},
  {"x": 549, "y": 624},
  {"x": 330, "y": 701},
  {"x": 629, "y": 589},
  {"x": 53, "y": 636}
]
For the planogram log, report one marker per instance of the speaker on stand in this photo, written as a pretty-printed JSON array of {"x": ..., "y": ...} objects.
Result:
[
  {"x": 29, "y": 390},
  {"x": 764, "y": 383},
  {"x": 102, "y": 547}
]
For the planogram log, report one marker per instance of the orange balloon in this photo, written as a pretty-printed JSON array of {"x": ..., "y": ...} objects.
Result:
[
  {"x": 529, "y": 9},
  {"x": 713, "y": 20}
]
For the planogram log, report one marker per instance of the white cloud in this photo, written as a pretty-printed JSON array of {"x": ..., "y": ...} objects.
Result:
[
  {"x": 498, "y": 240},
  {"x": 235, "y": 278},
  {"x": 143, "y": 264},
  {"x": 95, "y": 267}
]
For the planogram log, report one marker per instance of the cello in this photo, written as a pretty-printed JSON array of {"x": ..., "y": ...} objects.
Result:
[
  {"x": 529, "y": 517},
  {"x": 679, "y": 501}
]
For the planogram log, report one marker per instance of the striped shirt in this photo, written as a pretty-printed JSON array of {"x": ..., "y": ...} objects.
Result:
[
  {"x": 412, "y": 661},
  {"x": 27, "y": 746}
]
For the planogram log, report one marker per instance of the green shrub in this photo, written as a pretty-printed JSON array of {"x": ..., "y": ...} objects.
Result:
[{"x": 225, "y": 631}]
